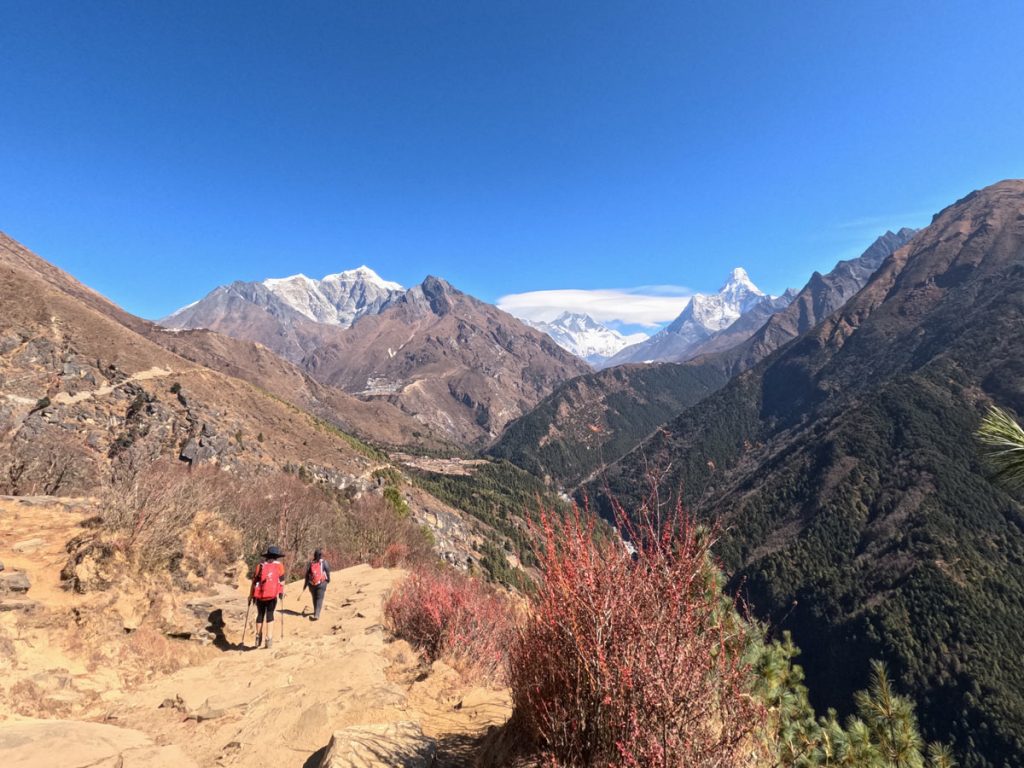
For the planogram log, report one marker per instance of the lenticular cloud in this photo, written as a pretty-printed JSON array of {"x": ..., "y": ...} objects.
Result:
[{"x": 647, "y": 306}]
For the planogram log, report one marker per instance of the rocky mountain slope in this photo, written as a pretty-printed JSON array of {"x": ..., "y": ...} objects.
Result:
[
  {"x": 584, "y": 337},
  {"x": 819, "y": 298},
  {"x": 456, "y": 367},
  {"x": 704, "y": 315},
  {"x": 856, "y": 510},
  {"x": 87, "y": 392},
  {"x": 378, "y": 421},
  {"x": 92, "y": 396},
  {"x": 448, "y": 359}
]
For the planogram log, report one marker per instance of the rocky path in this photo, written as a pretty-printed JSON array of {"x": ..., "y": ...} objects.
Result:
[
  {"x": 337, "y": 693},
  {"x": 65, "y": 398}
]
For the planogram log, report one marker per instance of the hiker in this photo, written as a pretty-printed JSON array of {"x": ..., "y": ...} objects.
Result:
[
  {"x": 318, "y": 576},
  {"x": 267, "y": 588}
]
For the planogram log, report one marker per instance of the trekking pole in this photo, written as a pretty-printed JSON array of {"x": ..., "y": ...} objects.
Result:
[
  {"x": 245, "y": 627},
  {"x": 282, "y": 618}
]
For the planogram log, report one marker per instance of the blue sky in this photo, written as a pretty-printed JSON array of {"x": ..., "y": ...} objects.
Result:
[{"x": 156, "y": 150}]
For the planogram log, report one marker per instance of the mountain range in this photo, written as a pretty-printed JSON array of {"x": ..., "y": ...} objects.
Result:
[
  {"x": 827, "y": 434},
  {"x": 704, "y": 316},
  {"x": 595, "y": 419},
  {"x": 459, "y": 367},
  {"x": 843, "y": 472}
]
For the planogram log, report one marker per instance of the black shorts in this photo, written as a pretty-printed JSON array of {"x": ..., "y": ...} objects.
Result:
[{"x": 265, "y": 608}]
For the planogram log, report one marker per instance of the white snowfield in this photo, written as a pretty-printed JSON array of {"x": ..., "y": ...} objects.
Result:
[
  {"x": 585, "y": 337},
  {"x": 337, "y": 299}
]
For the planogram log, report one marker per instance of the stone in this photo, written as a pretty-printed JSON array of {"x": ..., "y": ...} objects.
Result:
[
  {"x": 22, "y": 606},
  {"x": 27, "y": 545},
  {"x": 206, "y": 712},
  {"x": 190, "y": 451},
  {"x": 14, "y": 583},
  {"x": 382, "y": 745}
]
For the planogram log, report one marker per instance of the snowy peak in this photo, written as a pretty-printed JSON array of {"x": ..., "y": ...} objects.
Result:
[
  {"x": 708, "y": 313},
  {"x": 582, "y": 335},
  {"x": 578, "y": 322},
  {"x": 338, "y": 299},
  {"x": 739, "y": 288},
  {"x": 365, "y": 275}
]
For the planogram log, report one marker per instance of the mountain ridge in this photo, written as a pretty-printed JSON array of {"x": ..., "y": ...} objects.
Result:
[
  {"x": 856, "y": 509},
  {"x": 594, "y": 420},
  {"x": 703, "y": 316}
]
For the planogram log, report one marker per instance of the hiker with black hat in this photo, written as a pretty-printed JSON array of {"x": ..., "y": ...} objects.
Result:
[
  {"x": 318, "y": 576},
  {"x": 267, "y": 588}
]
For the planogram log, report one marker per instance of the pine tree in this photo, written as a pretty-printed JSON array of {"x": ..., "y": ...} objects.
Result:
[{"x": 1003, "y": 439}]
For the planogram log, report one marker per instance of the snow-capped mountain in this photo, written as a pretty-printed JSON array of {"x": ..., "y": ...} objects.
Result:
[
  {"x": 338, "y": 299},
  {"x": 585, "y": 337},
  {"x": 290, "y": 315},
  {"x": 705, "y": 315}
]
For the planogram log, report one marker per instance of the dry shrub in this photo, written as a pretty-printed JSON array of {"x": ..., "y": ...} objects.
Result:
[
  {"x": 632, "y": 660},
  {"x": 301, "y": 517},
  {"x": 453, "y": 617},
  {"x": 378, "y": 534},
  {"x": 283, "y": 509},
  {"x": 200, "y": 520},
  {"x": 152, "y": 512}
]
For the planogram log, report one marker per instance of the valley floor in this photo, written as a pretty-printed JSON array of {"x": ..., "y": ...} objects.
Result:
[{"x": 333, "y": 693}]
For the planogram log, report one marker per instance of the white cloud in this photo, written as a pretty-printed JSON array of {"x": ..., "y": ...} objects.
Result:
[{"x": 648, "y": 306}]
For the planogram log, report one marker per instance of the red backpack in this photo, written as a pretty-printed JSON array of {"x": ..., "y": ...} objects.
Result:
[
  {"x": 316, "y": 573},
  {"x": 267, "y": 583}
]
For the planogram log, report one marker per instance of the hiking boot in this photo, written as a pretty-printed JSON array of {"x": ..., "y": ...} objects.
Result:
[
  {"x": 259, "y": 639},
  {"x": 270, "y": 642}
]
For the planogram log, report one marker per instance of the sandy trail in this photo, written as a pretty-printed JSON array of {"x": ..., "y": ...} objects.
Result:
[{"x": 242, "y": 706}]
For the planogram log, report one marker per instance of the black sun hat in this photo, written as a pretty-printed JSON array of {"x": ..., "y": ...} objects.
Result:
[{"x": 273, "y": 551}]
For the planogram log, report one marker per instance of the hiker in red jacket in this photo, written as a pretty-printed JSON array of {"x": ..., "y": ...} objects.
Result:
[
  {"x": 267, "y": 588},
  {"x": 318, "y": 576}
]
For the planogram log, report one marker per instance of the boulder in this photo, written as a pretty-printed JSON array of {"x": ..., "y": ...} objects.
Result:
[
  {"x": 14, "y": 583},
  {"x": 189, "y": 452},
  {"x": 383, "y": 745}
]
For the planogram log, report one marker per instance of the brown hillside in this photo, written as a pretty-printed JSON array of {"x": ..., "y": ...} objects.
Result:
[{"x": 453, "y": 361}]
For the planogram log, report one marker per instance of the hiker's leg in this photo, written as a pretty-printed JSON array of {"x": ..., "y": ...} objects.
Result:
[
  {"x": 318, "y": 600},
  {"x": 268, "y": 627},
  {"x": 260, "y": 619}
]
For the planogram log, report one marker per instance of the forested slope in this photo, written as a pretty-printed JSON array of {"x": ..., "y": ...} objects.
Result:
[{"x": 858, "y": 511}]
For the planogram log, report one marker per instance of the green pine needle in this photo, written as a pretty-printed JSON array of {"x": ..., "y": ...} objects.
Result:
[{"x": 1003, "y": 439}]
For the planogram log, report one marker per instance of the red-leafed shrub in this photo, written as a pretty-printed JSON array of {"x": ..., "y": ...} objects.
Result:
[
  {"x": 632, "y": 658},
  {"x": 453, "y": 617}
]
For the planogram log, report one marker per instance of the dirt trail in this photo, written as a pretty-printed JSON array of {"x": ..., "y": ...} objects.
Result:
[
  {"x": 64, "y": 398},
  {"x": 342, "y": 677}
]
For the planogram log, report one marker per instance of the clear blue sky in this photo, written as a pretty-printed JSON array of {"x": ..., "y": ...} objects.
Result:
[{"x": 157, "y": 149}]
